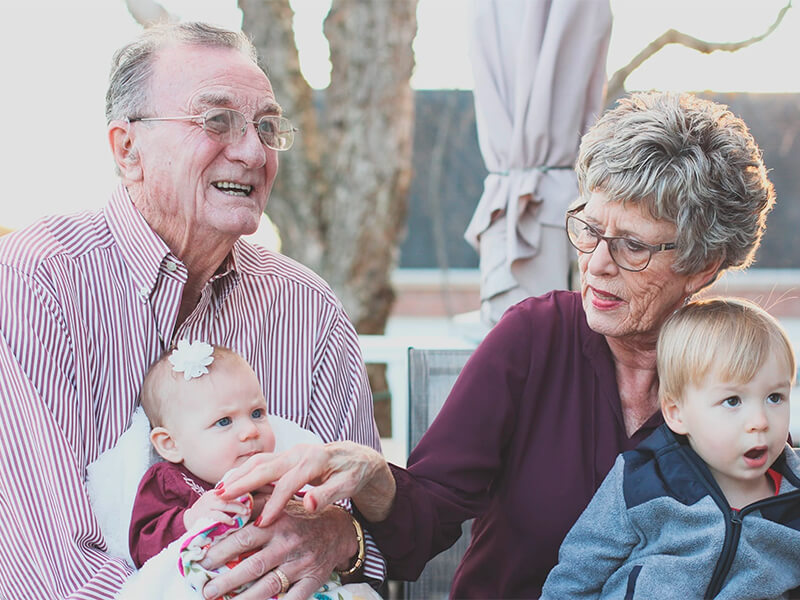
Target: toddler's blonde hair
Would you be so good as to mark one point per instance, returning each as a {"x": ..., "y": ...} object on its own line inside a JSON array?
[{"x": 729, "y": 336}]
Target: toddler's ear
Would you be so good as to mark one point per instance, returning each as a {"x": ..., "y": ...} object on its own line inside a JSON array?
[
  {"x": 671, "y": 410},
  {"x": 165, "y": 445}
]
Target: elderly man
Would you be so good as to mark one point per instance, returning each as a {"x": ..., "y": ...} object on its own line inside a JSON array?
[{"x": 90, "y": 301}]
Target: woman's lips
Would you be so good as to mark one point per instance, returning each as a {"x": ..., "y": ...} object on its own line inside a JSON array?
[
  {"x": 601, "y": 299},
  {"x": 756, "y": 457}
]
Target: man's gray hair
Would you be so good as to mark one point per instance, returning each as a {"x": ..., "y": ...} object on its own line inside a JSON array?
[
  {"x": 688, "y": 161},
  {"x": 132, "y": 65}
]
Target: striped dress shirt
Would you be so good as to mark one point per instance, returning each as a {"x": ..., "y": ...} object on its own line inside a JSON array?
[{"x": 87, "y": 303}]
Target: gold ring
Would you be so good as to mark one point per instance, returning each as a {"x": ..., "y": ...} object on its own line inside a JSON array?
[{"x": 285, "y": 583}]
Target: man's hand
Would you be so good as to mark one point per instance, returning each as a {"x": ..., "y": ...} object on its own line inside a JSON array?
[
  {"x": 306, "y": 547},
  {"x": 210, "y": 505}
]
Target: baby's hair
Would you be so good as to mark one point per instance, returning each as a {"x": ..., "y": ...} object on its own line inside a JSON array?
[
  {"x": 161, "y": 379},
  {"x": 730, "y": 336}
]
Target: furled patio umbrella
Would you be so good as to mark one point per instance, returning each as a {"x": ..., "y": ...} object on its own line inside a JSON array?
[{"x": 539, "y": 69}]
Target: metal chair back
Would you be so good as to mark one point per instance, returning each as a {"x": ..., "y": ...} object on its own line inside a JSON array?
[{"x": 431, "y": 374}]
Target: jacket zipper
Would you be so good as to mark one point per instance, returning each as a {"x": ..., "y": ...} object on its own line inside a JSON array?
[{"x": 733, "y": 531}]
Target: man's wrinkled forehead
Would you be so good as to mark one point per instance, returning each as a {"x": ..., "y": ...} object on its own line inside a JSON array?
[
  {"x": 223, "y": 99},
  {"x": 210, "y": 76}
]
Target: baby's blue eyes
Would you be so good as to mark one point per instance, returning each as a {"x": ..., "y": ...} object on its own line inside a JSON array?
[{"x": 257, "y": 414}]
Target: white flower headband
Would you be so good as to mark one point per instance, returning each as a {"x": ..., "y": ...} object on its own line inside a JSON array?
[{"x": 191, "y": 358}]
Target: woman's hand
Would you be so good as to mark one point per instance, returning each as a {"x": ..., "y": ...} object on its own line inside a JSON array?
[
  {"x": 306, "y": 548},
  {"x": 337, "y": 470}
]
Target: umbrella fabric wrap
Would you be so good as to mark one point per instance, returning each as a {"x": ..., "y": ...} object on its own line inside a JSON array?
[{"x": 539, "y": 71}]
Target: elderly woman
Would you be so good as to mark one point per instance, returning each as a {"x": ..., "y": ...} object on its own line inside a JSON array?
[{"x": 673, "y": 193}]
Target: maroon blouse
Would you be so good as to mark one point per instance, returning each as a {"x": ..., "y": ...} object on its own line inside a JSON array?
[
  {"x": 529, "y": 431},
  {"x": 164, "y": 494}
]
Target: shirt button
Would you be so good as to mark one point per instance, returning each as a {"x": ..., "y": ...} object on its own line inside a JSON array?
[
  {"x": 170, "y": 265},
  {"x": 144, "y": 292}
]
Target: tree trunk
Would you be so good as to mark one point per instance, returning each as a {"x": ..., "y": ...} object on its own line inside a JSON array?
[{"x": 341, "y": 196}]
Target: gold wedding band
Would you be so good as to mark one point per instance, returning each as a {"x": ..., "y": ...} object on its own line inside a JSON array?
[{"x": 285, "y": 583}]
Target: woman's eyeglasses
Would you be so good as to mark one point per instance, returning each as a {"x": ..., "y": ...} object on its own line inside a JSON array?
[{"x": 627, "y": 253}]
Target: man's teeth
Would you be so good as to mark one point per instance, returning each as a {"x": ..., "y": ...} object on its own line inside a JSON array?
[{"x": 237, "y": 189}]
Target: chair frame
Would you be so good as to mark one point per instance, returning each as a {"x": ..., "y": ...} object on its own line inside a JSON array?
[{"x": 431, "y": 374}]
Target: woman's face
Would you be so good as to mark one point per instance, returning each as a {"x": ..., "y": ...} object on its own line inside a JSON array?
[{"x": 620, "y": 303}]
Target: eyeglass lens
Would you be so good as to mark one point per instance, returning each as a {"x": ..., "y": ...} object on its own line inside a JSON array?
[
  {"x": 228, "y": 126},
  {"x": 627, "y": 253}
]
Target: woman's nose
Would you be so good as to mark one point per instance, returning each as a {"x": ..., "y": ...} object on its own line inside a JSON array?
[{"x": 600, "y": 261}]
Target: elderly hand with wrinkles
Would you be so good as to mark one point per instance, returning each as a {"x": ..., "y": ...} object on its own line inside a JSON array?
[
  {"x": 305, "y": 548},
  {"x": 305, "y": 541}
]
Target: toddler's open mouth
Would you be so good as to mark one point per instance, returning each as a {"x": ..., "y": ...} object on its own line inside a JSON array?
[{"x": 756, "y": 457}]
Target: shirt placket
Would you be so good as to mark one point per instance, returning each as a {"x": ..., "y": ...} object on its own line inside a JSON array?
[{"x": 165, "y": 299}]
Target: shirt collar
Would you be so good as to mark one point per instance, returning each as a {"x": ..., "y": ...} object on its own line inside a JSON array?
[
  {"x": 141, "y": 248},
  {"x": 144, "y": 251}
]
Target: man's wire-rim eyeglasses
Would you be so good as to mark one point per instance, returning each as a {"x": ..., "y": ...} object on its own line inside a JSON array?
[
  {"x": 627, "y": 253},
  {"x": 227, "y": 126}
]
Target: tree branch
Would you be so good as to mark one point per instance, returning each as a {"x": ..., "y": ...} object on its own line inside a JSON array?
[
  {"x": 616, "y": 84},
  {"x": 148, "y": 12}
]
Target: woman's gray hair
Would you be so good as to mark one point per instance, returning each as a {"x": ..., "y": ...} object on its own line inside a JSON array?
[
  {"x": 688, "y": 161},
  {"x": 132, "y": 65}
]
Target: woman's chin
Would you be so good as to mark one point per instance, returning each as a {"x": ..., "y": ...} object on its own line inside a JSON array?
[{"x": 603, "y": 321}]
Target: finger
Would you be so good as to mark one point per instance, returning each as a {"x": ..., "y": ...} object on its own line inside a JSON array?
[
  {"x": 338, "y": 487},
  {"x": 283, "y": 491},
  {"x": 268, "y": 586},
  {"x": 220, "y": 517},
  {"x": 236, "y": 508},
  {"x": 253, "y": 568},
  {"x": 266, "y": 469},
  {"x": 234, "y": 545},
  {"x": 258, "y": 475},
  {"x": 303, "y": 589}
]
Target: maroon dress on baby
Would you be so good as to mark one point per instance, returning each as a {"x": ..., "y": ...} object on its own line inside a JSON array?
[{"x": 164, "y": 494}]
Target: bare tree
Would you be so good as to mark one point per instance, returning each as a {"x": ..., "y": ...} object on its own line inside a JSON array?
[
  {"x": 340, "y": 200},
  {"x": 616, "y": 84}
]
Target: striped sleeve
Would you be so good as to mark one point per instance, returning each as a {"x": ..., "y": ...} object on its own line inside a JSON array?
[
  {"x": 342, "y": 395},
  {"x": 51, "y": 543}
]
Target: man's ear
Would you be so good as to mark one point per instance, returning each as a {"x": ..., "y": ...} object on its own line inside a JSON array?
[
  {"x": 165, "y": 445},
  {"x": 122, "y": 148},
  {"x": 671, "y": 410}
]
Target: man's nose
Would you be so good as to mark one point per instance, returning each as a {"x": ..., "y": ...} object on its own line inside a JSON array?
[{"x": 248, "y": 149}]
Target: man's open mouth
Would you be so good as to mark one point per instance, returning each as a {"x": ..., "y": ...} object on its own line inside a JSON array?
[{"x": 234, "y": 189}]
